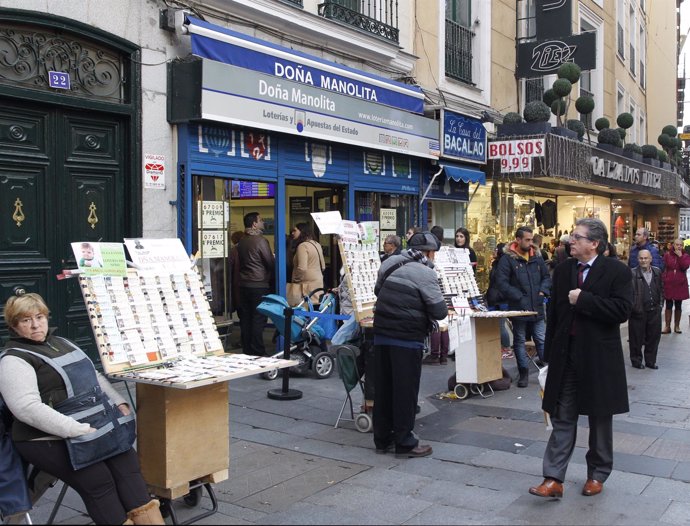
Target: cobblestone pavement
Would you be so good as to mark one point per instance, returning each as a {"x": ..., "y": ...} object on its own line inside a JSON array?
[{"x": 288, "y": 465}]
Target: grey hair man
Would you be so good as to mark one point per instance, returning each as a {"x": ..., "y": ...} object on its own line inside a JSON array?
[{"x": 644, "y": 325}]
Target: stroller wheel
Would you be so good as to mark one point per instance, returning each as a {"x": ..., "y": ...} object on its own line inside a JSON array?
[
  {"x": 270, "y": 375},
  {"x": 363, "y": 423},
  {"x": 322, "y": 365}
]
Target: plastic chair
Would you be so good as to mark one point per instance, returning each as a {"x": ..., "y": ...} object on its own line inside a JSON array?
[{"x": 346, "y": 358}]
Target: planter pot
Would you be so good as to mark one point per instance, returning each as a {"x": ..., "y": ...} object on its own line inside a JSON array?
[
  {"x": 633, "y": 155},
  {"x": 610, "y": 148},
  {"x": 523, "y": 128},
  {"x": 652, "y": 162},
  {"x": 564, "y": 132},
  {"x": 666, "y": 166}
]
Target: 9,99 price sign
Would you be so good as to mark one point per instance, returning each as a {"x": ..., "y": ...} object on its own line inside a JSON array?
[{"x": 516, "y": 156}]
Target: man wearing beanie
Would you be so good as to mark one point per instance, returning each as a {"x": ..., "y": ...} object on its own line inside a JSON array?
[{"x": 408, "y": 299}]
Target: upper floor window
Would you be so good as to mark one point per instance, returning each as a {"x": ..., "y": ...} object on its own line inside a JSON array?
[
  {"x": 459, "y": 37},
  {"x": 620, "y": 25},
  {"x": 633, "y": 34},
  {"x": 643, "y": 57}
]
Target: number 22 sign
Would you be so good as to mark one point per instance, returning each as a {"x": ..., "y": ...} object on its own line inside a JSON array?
[
  {"x": 516, "y": 156},
  {"x": 58, "y": 79}
]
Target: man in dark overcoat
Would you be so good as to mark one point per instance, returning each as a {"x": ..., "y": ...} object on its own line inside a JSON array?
[
  {"x": 591, "y": 296},
  {"x": 644, "y": 326}
]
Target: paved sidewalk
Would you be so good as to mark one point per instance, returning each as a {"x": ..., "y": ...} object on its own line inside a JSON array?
[{"x": 288, "y": 465}]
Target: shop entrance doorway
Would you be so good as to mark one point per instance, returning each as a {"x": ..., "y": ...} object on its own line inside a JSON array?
[{"x": 300, "y": 202}]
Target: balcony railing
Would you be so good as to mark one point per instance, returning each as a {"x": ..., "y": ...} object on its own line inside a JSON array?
[
  {"x": 534, "y": 89},
  {"x": 379, "y": 17},
  {"x": 294, "y": 2},
  {"x": 621, "y": 41},
  {"x": 459, "y": 52}
]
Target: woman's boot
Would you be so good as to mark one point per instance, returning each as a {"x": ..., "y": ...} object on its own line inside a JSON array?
[
  {"x": 676, "y": 320},
  {"x": 667, "y": 320},
  {"x": 149, "y": 513}
]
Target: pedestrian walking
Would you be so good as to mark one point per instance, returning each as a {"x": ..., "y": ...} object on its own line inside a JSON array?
[
  {"x": 590, "y": 298},
  {"x": 644, "y": 325},
  {"x": 676, "y": 264},
  {"x": 523, "y": 280},
  {"x": 642, "y": 242}
]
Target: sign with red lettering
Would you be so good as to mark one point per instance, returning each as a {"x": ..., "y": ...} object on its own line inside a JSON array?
[
  {"x": 516, "y": 156},
  {"x": 154, "y": 171}
]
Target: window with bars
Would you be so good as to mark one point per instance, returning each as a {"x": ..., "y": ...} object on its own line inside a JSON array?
[
  {"x": 379, "y": 17},
  {"x": 459, "y": 39},
  {"x": 534, "y": 89}
]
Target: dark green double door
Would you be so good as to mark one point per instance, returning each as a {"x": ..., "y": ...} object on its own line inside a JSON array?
[{"x": 62, "y": 179}]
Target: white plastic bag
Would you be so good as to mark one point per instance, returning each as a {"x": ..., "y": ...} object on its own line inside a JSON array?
[{"x": 542, "y": 386}]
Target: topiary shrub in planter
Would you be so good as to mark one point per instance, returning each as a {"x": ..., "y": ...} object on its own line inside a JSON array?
[
  {"x": 670, "y": 130},
  {"x": 570, "y": 71},
  {"x": 562, "y": 88},
  {"x": 622, "y": 133},
  {"x": 576, "y": 126},
  {"x": 610, "y": 140},
  {"x": 650, "y": 154},
  {"x": 585, "y": 105},
  {"x": 536, "y": 114},
  {"x": 512, "y": 117},
  {"x": 664, "y": 160},
  {"x": 624, "y": 121},
  {"x": 602, "y": 123},
  {"x": 548, "y": 97},
  {"x": 633, "y": 151}
]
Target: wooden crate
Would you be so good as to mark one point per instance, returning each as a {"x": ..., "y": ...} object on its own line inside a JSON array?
[
  {"x": 183, "y": 435},
  {"x": 478, "y": 360}
]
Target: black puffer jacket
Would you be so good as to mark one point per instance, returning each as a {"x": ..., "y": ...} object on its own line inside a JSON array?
[
  {"x": 407, "y": 300},
  {"x": 520, "y": 281}
]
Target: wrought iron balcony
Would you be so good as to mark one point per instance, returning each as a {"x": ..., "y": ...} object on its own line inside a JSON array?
[
  {"x": 534, "y": 89},
  {"x": 459, "y": 51},
  {"x": 379, "y": 17}
]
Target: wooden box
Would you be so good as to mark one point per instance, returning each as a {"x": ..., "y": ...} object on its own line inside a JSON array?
[
  {"x": 478, "y": 358},
  {"x": 183, "y": 435}
]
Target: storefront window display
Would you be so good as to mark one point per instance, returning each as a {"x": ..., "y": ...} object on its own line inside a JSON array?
[
  {"x": 394, "y": 212},
  {"x": 221, "y": 206},
  {"x": 499, "y": 208},
  {"x": 448, "y": 214}
]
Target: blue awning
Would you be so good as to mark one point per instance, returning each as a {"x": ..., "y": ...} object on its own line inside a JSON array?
[{"x": 464, "y": 174}]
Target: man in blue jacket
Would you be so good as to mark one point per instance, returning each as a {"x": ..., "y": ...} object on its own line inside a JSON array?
[
  {"x": 522, "y": 278},
  {"x": 642, "y": 243},
  {"x": 408, "y": 298}
]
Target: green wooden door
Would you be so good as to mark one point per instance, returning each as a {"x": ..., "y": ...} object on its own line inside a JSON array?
[{"x": 62, "y": 179}]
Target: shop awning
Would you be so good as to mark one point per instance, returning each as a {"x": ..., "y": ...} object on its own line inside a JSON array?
[
  {"x": 457, "y": 173},
  {"x": 464, "y": 174}
]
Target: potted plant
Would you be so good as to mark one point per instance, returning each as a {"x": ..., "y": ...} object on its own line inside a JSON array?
[
  {"x": 610, "y": 140},
  {"x": 559, "y": 97},
  {"x": 670, "y": 143},
  {"x": 624, "y": 121},
  {"x": 650, "y": 154},
  {"x": 585, "y": 105},
  {"x": 633, "y": 151},
  {"x": 536, "y": 115},
  {"x": 663, "y": 159},
  {"x": 576, "y": 126}
]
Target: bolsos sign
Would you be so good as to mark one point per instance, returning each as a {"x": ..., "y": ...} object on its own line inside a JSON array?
[{"x": 516, "y": 156}]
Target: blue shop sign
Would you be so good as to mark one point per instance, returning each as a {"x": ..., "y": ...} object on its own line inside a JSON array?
[
  {"x": 230, "y": 47},
  {"x": 463, "y": 138}
]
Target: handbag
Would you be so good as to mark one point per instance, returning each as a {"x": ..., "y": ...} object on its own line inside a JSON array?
[{"x": 295, "y": 293}]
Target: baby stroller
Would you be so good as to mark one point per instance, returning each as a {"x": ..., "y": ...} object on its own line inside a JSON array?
[{"x": 307, "y": 335}]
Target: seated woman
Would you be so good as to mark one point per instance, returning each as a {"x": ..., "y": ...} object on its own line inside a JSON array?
[{"x": 68, "y": 419}]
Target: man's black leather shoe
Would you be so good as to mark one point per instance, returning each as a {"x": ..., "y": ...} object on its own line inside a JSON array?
[
  {"x": 654, "y": 366},
  {"x": 638, "y": 366}
]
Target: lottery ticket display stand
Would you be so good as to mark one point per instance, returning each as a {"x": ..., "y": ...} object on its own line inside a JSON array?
[
  {"x": 155, "y": 328},
  {"x": 474, "y": 332}
]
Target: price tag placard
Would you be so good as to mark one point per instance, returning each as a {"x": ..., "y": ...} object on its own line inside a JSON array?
[{"x": 516, "y": 156}]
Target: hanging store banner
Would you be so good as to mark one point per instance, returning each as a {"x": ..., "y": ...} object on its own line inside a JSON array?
[
  {"x": 223, "y": 45},
  {"x": 239, "y": 96},
  {"x": 536, "y": 59},
  {"x": 463, "y": 138},
  {"x": 554, "y": 18},
  {"x": 516, "y": 156}
]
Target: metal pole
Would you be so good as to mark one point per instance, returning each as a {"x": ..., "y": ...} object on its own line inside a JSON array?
[{"x": 286, "y": 393}]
